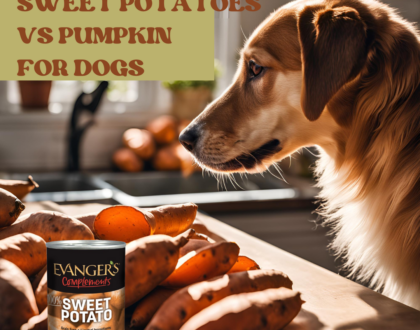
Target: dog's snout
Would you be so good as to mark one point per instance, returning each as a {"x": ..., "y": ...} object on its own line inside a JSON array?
[{"x": 189, "y": 138}]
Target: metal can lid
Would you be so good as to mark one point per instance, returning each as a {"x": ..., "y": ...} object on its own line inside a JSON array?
[{"x": 86, "y": 245}]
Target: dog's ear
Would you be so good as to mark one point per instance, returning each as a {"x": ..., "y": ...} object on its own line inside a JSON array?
[{"x": 334, "y": 49}]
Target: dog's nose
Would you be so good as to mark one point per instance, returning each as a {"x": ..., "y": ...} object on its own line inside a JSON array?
[{"x": 189, "y": 138}]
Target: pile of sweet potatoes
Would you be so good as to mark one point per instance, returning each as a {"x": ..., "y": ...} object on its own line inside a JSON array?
[
  {"x": 178, "y": 274},
  {"x": 155, "y": 147}
]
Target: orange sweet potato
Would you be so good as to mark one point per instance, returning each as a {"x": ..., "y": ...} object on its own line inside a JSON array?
[
  {"x": 126, "y": 223},
  {"x": 17, "y": 303},
  {"x": 243, "y": 264},
  {"x": 189, "y": 301},
  {"x": 188, "y": 165},
  {"x": 271, "y": 309},
  {"x": 19, "y": 188},
  {"x": 41, "y": 293},
  {"x": 126, "y": 160},
  {"x": 166, "y": 159},
  {"x": 148, "y": 306},
  {"x": 35, "y": 280},
  {"x": 10, "y": 208},
  {"x": 193, "y": 245},
  {"x": 27, "y": 251},
  {"x": 51, "y": 226},
  {"x": 148, "y": 261},
  {"x": 141, "y": 142},
  {"x": 206, "y": 263},
  {"x": 38, "y": 322},
  {"x": 164, "y": 129}
]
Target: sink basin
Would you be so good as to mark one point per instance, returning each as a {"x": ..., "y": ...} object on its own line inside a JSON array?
[
  {"x": 149, "y": 184},
  {"x": 149, "y": 189},
  {"x": 64, "y": 187}
]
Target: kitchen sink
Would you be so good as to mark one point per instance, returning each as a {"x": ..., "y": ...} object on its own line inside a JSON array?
[
  {"x": 157, "y": 188},
  {"x": 62, "y": 187},
  {"x": 149, "y": 189},
  {"x": 147, "y": 184}
]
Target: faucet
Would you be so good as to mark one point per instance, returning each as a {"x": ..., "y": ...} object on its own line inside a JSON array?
[{"x": 85, "y": 105}]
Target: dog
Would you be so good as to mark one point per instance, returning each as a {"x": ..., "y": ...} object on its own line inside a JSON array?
[{"x": 344, "y": 76}]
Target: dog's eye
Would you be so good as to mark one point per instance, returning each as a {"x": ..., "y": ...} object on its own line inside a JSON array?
[{"x": 254, "y": 69}]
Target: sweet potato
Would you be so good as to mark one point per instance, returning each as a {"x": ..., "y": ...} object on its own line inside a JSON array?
[
  {"x": 27, "y": 251},
  {"x": 126, "y": 223},
  {"x": 271, "y": 309},
  {"x": 17, "y": 303},
  {"x": 87, "y": 219},
  {"x": 41, "y": 293},
  {"x": 189, "y": 301},
  {"x": 35, "y": 280},
  {"x": 166, "y": 159},
  {"x": 148, "y": 261},
  {"x": 148, "y": 306},
  {"x": 141, "y": 142},
  {"x": 19, "y": 188},
  {"x": 202, "y": 237},
  {"x": 188, "y": 165},
  {"x": 126, "y": 160},
  {"x": 164, "y": 129},
  {"x": 193, "y": 245},
  {"x": 10, "y": 208},
  {"x": 243, "y": 264},
  {"x": 51, "y": 226},
  {"x": 204, "y": 264},
  {"x": 38, "y": 322}
]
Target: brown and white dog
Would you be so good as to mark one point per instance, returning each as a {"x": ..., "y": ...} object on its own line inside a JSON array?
[{"x": 343, "y": 75}]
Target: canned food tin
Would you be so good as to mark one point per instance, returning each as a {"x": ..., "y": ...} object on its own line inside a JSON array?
[{"x": 86, "y": 285}]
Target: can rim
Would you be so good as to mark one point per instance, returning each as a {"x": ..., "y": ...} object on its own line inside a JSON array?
[{"x": 86, "y": 245}]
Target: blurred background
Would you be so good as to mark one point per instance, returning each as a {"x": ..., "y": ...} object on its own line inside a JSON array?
[{"x": 116, "y": 142}]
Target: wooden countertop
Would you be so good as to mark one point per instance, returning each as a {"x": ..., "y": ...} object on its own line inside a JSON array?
[{"x": 332, "y": 302}]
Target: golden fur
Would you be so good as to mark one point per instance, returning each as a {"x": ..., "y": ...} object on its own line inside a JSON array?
[{"x": 343, "y": 75}]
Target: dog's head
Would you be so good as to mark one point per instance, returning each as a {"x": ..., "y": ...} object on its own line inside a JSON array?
[{"x": 290, "y": 69}]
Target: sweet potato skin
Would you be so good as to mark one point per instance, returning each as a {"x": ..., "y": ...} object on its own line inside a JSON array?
[
  {"x": 126, "y": 223},
  {"x": 17, "y": 303},
  {"x": 208, "y": 262},
  {"x": 193, "y": 245},
  {"x": 166, "y": 159},
  {"x": 148, "y": 306},
  {"x": 148, "y": 261},
  {"x": 126, "y": 160},
  {"x": 51, "y": 226},
  {"x": 173, "y": 220},
  {"x": 141, "y": 142},
  {"x": 10, "y": 208},
  {"x": 41, "y": 293},
  {"x": 271, "y": 309},
  {"x": 19, "y": 188},
  {"x": 244, "y": 264},
  {"x": 164, "y": 129},
  {"x": 189, "y": 301},
  {"x": 27, "y": 251},
  {"x": 87, "y": 219},
  {"x": 38, "y": 322}
]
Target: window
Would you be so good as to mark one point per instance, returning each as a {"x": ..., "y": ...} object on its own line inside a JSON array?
[{"x": 122, "y": 96}]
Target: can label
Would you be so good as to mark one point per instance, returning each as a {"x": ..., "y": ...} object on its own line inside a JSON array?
[{"x": 86, "y": 289}]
